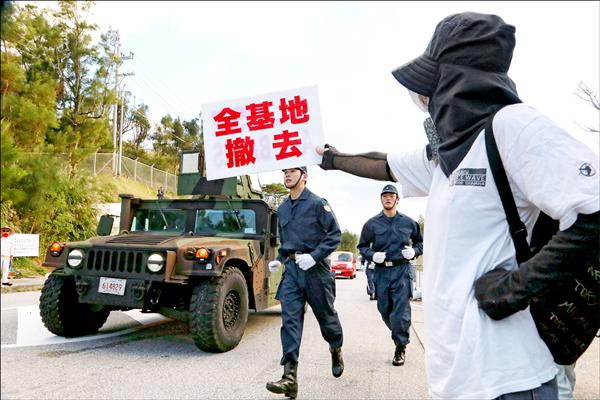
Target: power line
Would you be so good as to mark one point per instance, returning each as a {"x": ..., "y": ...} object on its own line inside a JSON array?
[{"x": 152, "y": 79}]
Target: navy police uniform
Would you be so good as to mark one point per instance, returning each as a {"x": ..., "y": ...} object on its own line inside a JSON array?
[
  {"x": 307, "y": 225},
  {"x": 392, "y": 280},
  {"x": 370, "y": 272}
]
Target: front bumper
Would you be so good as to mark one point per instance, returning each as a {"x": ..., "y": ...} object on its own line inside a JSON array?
[
  {"x": 138, "y": 293},
  {"x": 344, "y": 272}
]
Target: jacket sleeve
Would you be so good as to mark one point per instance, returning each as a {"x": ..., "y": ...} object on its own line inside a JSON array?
[
  {"x": 281, "y": 256},
  {"x": 365, "y": 241},
  {"x": 333, "y": 235},
  {"x": 501, "y": 293},
  {"x": 417, "y": 240}
]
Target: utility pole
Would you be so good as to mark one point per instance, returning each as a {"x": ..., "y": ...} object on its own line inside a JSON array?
[
  {"x": 121, "y": 132},
  {"x": 116, "y": 106},
  {"x": 120, "y": 96}
]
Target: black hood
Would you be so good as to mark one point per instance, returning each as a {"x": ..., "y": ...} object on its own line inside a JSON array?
[
  {"x": 464, "y": 73},
  {"x": 460, "y": 106}
]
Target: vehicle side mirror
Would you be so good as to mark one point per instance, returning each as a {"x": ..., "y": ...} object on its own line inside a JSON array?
[{"x": 105, "y": 225}]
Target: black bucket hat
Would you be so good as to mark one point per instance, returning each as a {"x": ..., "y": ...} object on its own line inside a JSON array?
[{"x": 480, "y": 41}]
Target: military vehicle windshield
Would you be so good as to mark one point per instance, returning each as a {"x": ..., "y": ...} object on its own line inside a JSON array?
[
  {"x": 211, "y": 221},
  {"x": 158, "y": 221}
]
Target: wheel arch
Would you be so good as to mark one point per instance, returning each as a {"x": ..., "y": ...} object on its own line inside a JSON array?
[{"x": 247, "y": 272}]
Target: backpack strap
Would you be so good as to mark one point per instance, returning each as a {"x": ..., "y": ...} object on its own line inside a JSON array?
[{"x": 517, "y": 228}]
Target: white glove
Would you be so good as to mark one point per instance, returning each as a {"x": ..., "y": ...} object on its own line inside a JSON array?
[
  {"x": 408, "y": 252},
  {"x": 379, "y": 257},
  {"x": 371, "y": 266},
  {"x": 305, "y": 261},
  {"x": 274, "y": 266}
]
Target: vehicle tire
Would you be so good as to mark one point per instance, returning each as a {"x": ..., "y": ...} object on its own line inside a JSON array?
[
  {"x": 63, "y": 314},
  {"x": 219, "y": 311}
]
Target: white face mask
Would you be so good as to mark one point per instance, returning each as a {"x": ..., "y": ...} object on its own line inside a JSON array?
[{"x": 417, "y": 99}]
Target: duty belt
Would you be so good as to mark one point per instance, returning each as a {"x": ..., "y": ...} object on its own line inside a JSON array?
[
  {"x": 392, "y": 263},
  {"x": 292, "y": 254}
]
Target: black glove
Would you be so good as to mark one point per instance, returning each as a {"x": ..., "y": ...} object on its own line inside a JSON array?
[
  {"x": 328, "y": 154},
  {"x": 499, "y": 293}
]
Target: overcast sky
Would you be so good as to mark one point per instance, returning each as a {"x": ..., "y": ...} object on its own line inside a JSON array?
[{"x": 190, "y": 53}]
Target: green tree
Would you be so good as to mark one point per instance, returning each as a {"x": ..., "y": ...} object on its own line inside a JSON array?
[
  {"x": 84, "y": 95},
  {"x": 349, "y": 241},
  {"x": 274, "y": 193},
  {"x": 28, "y": 86},
  {"x": 172, "y": 136},
  {"x": 139, "y": 125},
  {"x": 54, "y": 101}
]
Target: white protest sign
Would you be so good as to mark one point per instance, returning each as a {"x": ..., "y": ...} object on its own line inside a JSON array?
[
  {"x": 25, "y": 245},
  {"x": 267, "y": 132}
]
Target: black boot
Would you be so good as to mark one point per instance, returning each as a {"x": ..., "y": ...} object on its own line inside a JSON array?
[
  {"x": 399, "y": 355},
  {"x": 337, "y": 362},
  {"x": 288, "y": 384}
]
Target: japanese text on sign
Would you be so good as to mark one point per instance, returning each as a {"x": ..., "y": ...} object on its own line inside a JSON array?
[{"x": 262, "y": 133}]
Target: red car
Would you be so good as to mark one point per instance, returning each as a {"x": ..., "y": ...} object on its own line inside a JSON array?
[{"x": 343, "y": 263}]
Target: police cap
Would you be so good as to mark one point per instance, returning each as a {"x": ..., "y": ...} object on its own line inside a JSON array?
[
  {"x": 303, "y": 169},
  {"x": 389, "y": 189}
]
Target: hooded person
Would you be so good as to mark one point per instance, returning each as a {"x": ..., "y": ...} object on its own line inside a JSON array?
[{"x": 485, "y": 347}]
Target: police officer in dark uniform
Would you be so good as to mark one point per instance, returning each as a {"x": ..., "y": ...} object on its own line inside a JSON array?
[
  {"x": 386, "y": 240},
  {"x": 308, "y": 232}
]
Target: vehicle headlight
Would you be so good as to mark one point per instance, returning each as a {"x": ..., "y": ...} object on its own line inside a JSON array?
[
  {"x": 155, "y": 262},
  {"x": 75, "y": 258}
]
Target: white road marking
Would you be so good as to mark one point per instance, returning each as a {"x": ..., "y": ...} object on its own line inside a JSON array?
[{"x": 32, "y": 332}]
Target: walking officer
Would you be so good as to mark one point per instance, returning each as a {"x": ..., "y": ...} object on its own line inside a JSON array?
[
  {"x": 386, "y": 240},
  {"x": 308, "y": 232}
]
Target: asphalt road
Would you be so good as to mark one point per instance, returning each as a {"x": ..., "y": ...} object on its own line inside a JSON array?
[
  {"x": 150, "y": 357},
  {"x": 158, "y": 359}
]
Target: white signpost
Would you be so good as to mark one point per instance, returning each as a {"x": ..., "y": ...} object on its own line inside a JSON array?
[
  {"x": 267, "y": 132},
  {"x": 25, "y": 245}
]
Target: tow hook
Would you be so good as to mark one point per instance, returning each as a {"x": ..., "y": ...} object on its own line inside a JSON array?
[
  {"x": 139, "y": 290},
  {"x": 81, "y": 286}
]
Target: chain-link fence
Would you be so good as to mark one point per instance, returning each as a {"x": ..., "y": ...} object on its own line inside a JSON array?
[{"x": 105, "y": 163}]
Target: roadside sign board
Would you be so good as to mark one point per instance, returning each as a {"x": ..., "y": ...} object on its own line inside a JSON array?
[{"x": 25, "y": 245}]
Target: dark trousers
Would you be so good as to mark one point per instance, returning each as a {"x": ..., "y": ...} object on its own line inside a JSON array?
[
  {"x": 317, "y": 287},
  {"x": 393, "y": 292},
  {"x": 370, "y": 281},
  {"x": 548, "y": 391}
]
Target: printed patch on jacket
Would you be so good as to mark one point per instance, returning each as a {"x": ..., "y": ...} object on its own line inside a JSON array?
[{"x": 468, "y": 177}]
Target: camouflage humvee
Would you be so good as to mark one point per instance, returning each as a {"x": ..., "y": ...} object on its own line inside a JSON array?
[{"x": 202, "y": 260}]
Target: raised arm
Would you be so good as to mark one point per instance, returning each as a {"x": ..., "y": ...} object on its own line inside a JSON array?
[{"x": 372, "y": 165}]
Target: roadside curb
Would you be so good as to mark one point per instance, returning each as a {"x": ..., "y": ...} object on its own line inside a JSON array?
[{"x": 24, "y": 285}]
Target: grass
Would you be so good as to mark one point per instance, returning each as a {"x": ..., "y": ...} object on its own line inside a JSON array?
[
  {"x": 28, "y": 267},
  {"x": 126, "y": 185}
]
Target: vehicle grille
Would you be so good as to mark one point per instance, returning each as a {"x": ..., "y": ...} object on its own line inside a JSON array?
[{"x": 116, "y": 261}]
